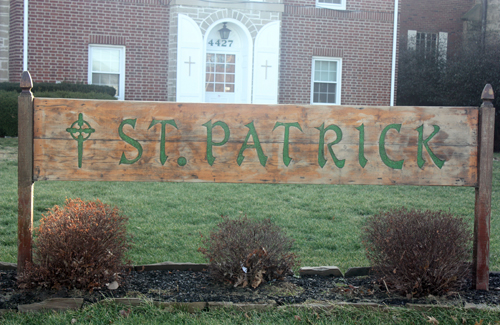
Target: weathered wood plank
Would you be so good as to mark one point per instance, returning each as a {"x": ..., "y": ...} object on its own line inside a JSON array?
[
  {"x": 264, "y": 144},
  {"x": 25, "y": 173},
  {"x": 483, "y": 191},
  {"x": 197, "y": 169}
]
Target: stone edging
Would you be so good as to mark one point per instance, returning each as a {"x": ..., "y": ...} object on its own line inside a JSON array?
[
  {"x": 316, "y": 270},
  {"x": 55, "y": 304},
  {"x": 8, "y": 266},
  {"x": 61, "y": 304},
  {"x": 171, "y": 266}
]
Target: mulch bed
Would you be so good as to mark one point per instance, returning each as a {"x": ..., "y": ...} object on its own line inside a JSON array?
[{"x": 190, "y": 286}]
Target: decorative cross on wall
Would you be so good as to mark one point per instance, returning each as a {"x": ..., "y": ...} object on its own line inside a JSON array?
[
  {"x": 189, "y": 63},
  {"x": 266, "y": 66}
]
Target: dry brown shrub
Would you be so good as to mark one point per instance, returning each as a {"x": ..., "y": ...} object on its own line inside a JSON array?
[
  {"x": 248, "y": 252},
  {"x": 82, "y": 245},
  {"x": 418, "y": 252}
]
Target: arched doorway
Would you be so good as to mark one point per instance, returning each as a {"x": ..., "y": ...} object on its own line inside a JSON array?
[{"x": 228, "y": 63}]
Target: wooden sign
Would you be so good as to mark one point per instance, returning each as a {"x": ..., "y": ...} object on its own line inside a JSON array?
[
  {"x": 158, "y": 141},
  {"x": 76, "y": 140}
]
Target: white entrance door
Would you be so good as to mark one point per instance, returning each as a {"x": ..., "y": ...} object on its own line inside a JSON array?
[
  {"x": 226, "y": 64},
  {"x": 220, "y": 78}
]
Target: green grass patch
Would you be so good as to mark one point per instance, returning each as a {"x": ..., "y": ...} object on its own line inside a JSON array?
[{"x": 106, "y": 313}]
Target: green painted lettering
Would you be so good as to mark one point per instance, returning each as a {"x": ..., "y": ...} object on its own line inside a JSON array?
[
  {"x": 130, "y": 141},
  {"x": 80, "y": 138},
  {"x": 422, "y": 142},
  {"x": 361, "y": 151},
  {"x": 321, "y": 149},
  {"x": 381, "y": 148},
  {"x": 286, "y": 155},
  {"x": 163, "y": 155},
  {"x": 210, "y": 143},
  {"x": 182, "y": 161},
  {"x": 256, "y": 146}
]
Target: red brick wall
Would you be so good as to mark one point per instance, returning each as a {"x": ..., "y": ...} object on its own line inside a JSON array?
[
  {"x": 433, "y": 16},
  {"x": 15, "y": 40},
  {"x": 61, "y": 30},
  {"x": 362, "y": 36}
]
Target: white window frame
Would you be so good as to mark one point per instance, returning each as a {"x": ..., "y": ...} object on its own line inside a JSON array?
[
  {"x": 339, "y": 79},
  {"x": 121, "y": 80},
  {"x": 341, "y": 6}
]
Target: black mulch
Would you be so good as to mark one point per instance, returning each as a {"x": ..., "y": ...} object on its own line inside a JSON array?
[{"x": 188, "y": 286}]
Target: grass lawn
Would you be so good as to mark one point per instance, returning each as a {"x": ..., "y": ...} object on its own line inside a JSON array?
[
  {"x": 166, "y": 219},
  {"x": 105, "y": 313}
]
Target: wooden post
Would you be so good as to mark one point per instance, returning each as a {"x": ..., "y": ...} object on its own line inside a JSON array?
[
  {"x": 25, "y": 173},
  {"x": 482, "y": 216}
]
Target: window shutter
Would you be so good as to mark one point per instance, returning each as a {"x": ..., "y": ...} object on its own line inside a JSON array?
[
  {"x": 266, "y": 65},
  {"x": 443, "y": 45},
  {"x": 189, "y": 61},
  {"x": 412, "y": 39}
]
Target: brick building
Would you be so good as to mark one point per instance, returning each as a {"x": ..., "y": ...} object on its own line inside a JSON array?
[
  {"x": 4, "y": 39},
  {"x": 277, "y": 51}
]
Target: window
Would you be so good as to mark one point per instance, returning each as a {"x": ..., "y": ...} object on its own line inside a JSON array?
[
  {"x": 430, "y": 45},
  {"x": 326, "y": 75},
  {"x": 331, "y": 4},
  {"x": 107, "y": 67},
  {"x": 220, "y": 73},
  {"x": 426, "y": 43}
]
